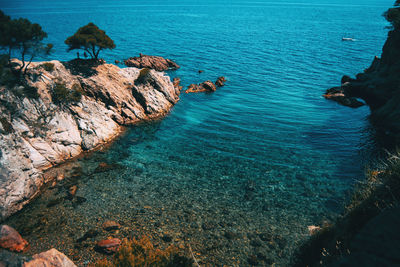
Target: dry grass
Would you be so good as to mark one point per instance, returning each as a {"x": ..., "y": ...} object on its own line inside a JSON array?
[
  {"x": 142, "y": 253},
  {"x": 380, "y": 191}
]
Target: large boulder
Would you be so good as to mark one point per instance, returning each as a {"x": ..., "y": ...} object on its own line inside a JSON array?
[
  {"x": 11, "y": 240},
  {"x": 50, "y": 258},
  {"x": 151, "y": 62}
]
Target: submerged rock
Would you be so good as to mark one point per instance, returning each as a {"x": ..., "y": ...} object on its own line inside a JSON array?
[
  {"x": 50, "y": 258},
  {"x": 11, "y": 240},
  {"x": 111, "y": 225},
  {"x": 108, "y": 246},
  {"x": 151, "y": 62},
  {"x": 77, "y": 107}
]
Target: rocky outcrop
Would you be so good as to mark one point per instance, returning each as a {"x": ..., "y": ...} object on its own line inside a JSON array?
[
  {"x": 11, "y": 240},
  {"x": 151, "y": 62},
  {"x": 108, "y": 246},
  {"x": 94, "y": 102},
  {"x": 49, "y": 258},
  {"x": 336, "y": 94},
  {"x": 207, "y": 86},
  {"x": 378, "y": 86},
  {"x": 220, "y": 81}
]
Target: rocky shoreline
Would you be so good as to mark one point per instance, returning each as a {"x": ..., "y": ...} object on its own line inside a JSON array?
[
  {"x": 378, "y": 86},
  {"x": 64, "y": 109}
]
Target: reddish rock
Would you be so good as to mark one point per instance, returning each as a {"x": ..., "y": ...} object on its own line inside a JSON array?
[
  {"x": 104, "y": 167},
  {"x": 151, "y": 62},
  {"x": 220, "y": 81},
  {"x": 207, "y": 86},
  {"x": 10, "y": 239},
  {"x": 108, "y": 246},
  {"x": 111, "y": 225},
  {"x": 117, "y": 61},
  {"x": 200, "y": 71},
  {"x": 50, "y": 258},
  {"x": 177, "y": 83},
  {"x": 72, "y": 190}
]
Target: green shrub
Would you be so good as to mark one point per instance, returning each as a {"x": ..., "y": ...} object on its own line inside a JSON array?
[
  {"x": 142, "y": 253},
  {"x": 31, "y": 92},
  {"x": 6, "y": 125},
  {"x": 48, "y": 66},
  {"x": 62, "y": 95},
  {"x": 143, "y": 76}
]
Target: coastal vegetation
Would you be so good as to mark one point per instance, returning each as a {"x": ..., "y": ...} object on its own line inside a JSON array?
[
  {"x": 23, "y": 37},
  {"x": 62, "y": 95},
  {"x": 142, "y": 253},
  {"x": 91, "y": 39}
]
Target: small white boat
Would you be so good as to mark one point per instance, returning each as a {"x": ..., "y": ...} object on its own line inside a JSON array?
[{"x": 348, "y": 39}]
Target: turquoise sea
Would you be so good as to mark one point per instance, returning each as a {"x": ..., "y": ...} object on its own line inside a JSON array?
[{"x": 238, "y": 174}]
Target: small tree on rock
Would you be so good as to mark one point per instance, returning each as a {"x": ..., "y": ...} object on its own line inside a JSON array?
[
  {"x": 91, "y": 39},
  {"x": 23, "y": 36}
]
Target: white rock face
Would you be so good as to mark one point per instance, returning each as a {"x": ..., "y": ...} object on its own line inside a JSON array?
[
  {"x": 36, "y": 133},
  {"x": 49, "y": 258}
]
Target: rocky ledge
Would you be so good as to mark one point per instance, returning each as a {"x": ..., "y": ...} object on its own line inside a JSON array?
[
  {"x": 151, "y": 62},
  {"x": 378, "y": 86},
  {"x": 207, "y": 86},
  {"x": 64, "y": 109}
]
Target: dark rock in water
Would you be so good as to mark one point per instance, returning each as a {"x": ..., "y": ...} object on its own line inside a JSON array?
[
  {"x": 230, "y": 235},
  {"x": 166, "y": 238},
  {"x": 108, "y": 246},
  {"x": 111, "y": 225},
  {"x": 11, "y": 240},
  {"x": 207, "y": 86},
  {"x": 89, "y": 234},
  {"x": 78, "y": 201},
  {"x": 379, "y": 87},
  {"x": 266, "y": 237},
  {"x": 10, "y": 259},
  {"x": 105, "y": 167},
  {"x": 346, "y": 79},
  {"x": 151, "y": 62},
  {"x": 55, "y": 202},
  {"x": 256, "y": 242},
  {"x": 208, "y": 226},
  {"x": 220, "y": 81},
  {"x": 252, "y": 260},
  {"x": 117, "y": 61},
  {"x": 337, "y": 94},
  {"x": 200, "y": 71}
]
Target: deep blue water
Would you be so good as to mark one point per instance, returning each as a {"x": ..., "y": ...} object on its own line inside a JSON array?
[{"x": 266, "y": 147}]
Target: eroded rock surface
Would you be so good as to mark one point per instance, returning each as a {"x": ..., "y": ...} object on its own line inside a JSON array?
[
  {"x": 151, "y": 62},
  {"x": 50, "y": 258},
  {"x": 36, "y": 133}
]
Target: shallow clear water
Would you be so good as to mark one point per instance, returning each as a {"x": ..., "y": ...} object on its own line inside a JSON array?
[{"x": 264, "y": 154}]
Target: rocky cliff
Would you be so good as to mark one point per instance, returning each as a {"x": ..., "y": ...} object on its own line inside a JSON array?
[
  {"x": 378, "y": 86},
  {"x": 65, "y": 108}
]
